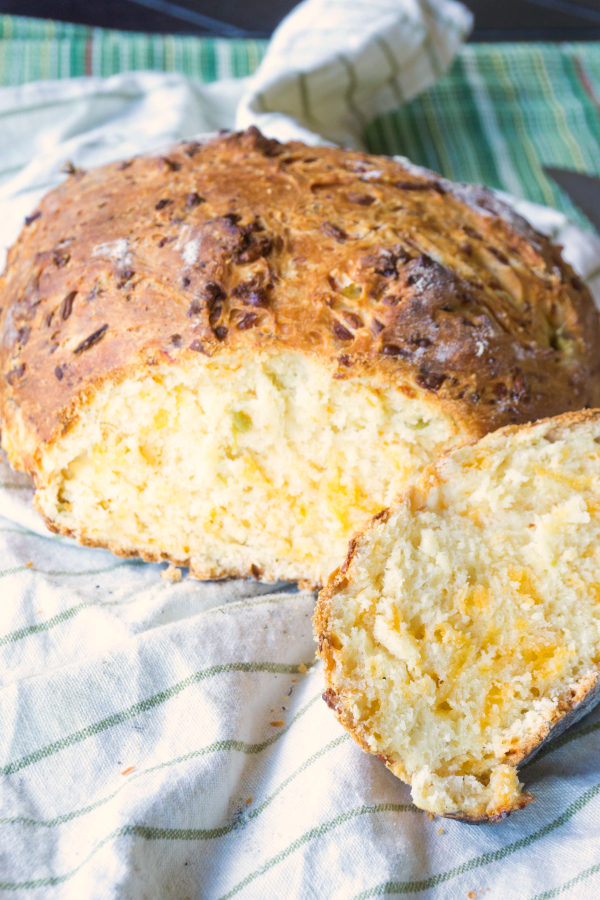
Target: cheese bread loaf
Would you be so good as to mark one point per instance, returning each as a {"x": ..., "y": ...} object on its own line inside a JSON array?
[
  {"x": 463, "y": 630},
  {"x": 232, "y": 354}
]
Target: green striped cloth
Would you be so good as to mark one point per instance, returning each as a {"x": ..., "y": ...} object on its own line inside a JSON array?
[
  {"x": 32, "y": 49},
  {"x": 166, "y": 740},
  {"x": 501, "y": 112}
]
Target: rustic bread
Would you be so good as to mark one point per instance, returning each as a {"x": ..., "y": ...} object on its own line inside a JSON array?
[
  {"x": 231, "y": 355},
  {"x": 463, "y": 630}
]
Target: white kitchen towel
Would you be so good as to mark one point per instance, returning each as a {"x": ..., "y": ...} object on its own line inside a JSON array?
[{"x": 164, "y": 740}]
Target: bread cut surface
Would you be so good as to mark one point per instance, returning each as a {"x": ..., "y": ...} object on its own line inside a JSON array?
[
  {"x": 238, "y": 465},
  {"x": 230, "y": 354},
  {"x": 464, "y": 628}
]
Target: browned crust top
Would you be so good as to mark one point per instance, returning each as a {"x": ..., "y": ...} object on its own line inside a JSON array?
[{"x": 243, "y": 242}]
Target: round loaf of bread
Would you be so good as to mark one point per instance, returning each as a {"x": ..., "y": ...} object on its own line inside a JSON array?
[
  {"x": 231, "y": 355},
  {"x": 463, "y": 630}
]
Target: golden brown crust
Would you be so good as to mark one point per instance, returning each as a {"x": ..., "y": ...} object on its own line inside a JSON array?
[
  {"x": 572, "y": 706},
  {"x": 157, "y": 556},
  {"x": 243, "y": 242}
]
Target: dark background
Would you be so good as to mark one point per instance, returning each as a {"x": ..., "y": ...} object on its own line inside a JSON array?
[{"x": 495, "y": 20}]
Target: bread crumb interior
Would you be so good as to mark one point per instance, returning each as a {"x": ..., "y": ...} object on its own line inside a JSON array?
[
  {"x": 235, "y": 461},
  {"x": 472, "y": 613}
]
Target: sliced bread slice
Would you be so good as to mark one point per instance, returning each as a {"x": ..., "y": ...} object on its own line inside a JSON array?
[{"x": 463, "y": 630}]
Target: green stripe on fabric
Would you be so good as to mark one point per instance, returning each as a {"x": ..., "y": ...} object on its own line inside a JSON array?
[
  {"x": 432, "y": 56},
  {"x": 318, "y": 832},
  {"x": 153, "y": 833},
  {"x": 350, "y": 92},
  {"x": 73, "y": 611},
  {"x": 144, "y": 706},
  {"x": 554, "y": 892},
  {"x": 499, "y": 113},
  {"x": 12, "y": 27},
  {"x": 217, "y": 747},
  {"x": 250, "y": 749},
  {"x": 193, "y": 834},
  {"x": 482, "y": 122},
  {"x": 453, "y": 152},
  {"x": 28, "y": 630},
  {"x": 395, "y": 70},
  {"x": 572, "y": 147},
  {"x": 409, "y": 887},
  {"x": 142, "y": 831},
  {"x": 522, "y": 150},
  {"x": 33, "y": 49},
  {"x": 444, "y": 148},
  {"x": 307, "y": 113},
  {"x": 576, "y": 77}
]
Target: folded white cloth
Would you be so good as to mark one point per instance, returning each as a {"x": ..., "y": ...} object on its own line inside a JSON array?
[{"x": 167, "y": 739}]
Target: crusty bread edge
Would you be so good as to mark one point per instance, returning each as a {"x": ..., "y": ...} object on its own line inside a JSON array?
[{"x": 580, "y": 698}]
